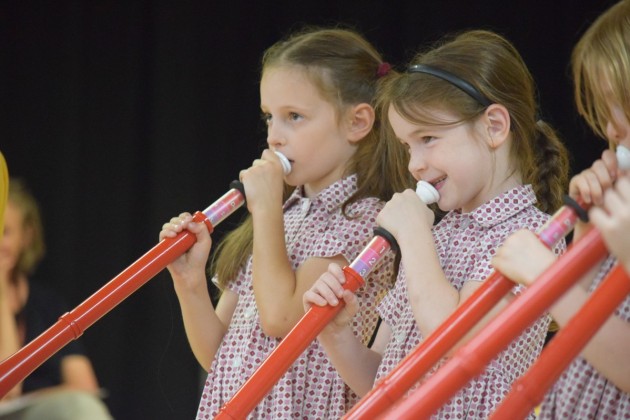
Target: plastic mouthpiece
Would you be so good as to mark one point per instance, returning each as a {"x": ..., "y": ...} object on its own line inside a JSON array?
[
  {"x": 427, "y": 193},
  {"x": 286, "y": 165},
  {"x": 623, "y": 158}
]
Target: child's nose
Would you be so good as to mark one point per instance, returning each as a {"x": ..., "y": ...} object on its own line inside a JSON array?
[
  {"x": 417, "y": 164},
  {"x": 275, "y": 138},
  {"x": 615, "y": 132}
]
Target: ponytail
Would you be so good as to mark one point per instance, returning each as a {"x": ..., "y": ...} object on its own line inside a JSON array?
[{"x": 549, "y": 175}]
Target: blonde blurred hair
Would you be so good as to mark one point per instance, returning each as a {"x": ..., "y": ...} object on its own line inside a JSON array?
[
  {"x": 21, "y": 197},
  {"x": 601, "y": 67}
]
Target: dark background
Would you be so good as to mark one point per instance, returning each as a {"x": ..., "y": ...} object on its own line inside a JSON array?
[{"x": 122, "y": 114}]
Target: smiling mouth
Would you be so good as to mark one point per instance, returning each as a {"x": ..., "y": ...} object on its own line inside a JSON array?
[{"x": 437, "y": 183}]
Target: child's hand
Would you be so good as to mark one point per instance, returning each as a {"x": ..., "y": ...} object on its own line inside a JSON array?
[
  {"x": 590, "y": 184},
  {"x": 188, "y": 266},
  {"x": 522, "y": 257},
  {"x": 612, "y": 219},
  {"x": 328, "y": 290},
  {"x": 263, "y": 181},
  {"x": 402, "y": 210}
]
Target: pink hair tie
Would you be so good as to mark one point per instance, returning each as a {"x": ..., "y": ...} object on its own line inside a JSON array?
[{"x": 383, "y": 69}]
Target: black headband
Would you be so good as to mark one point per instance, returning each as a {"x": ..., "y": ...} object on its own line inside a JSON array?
[{"x": 452, "y": 79}]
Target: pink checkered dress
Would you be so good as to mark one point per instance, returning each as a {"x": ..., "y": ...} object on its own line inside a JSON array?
[
  {"x": 311, "y": 388},
  {"x": 581, "y": 392},
  {"x": 465, "y": 245}
]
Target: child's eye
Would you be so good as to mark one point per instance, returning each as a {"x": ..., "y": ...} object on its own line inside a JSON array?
[
  {"x": 428, "y": 139},
  {"x": 294, "y": 116}
]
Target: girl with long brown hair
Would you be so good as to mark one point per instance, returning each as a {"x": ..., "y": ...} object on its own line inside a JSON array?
[{"x": 317, "y": 94}]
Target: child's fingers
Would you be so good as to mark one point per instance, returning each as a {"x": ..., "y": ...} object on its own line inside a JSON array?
[
  {"x": 171, "y": 228},
  {"x": 593, "y": 192},
  {"x": 590, "y": 184},
  {"x": 180, "y": 222},
  {"x": 577, "y": 188},
  {"x": 334, "y": 282},
  {"x": 335, "y": 270},
  {"x": 166, "y": 232},
  {"x": 320, "y": 294},
  {"x": 312, "y": 298},
  {"x": 615, "y": 212},
  {"x": 329, "y": 288}
]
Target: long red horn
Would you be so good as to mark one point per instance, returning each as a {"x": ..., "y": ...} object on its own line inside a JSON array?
[
  {"x": 417, "y": 363},
  {"x": 471, "y": 359},
  {"x": 72, "y": 324},
  {"x": 529, "y": 390}
]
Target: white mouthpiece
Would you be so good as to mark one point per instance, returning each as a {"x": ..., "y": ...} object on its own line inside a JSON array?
[
  {"x": 286, "y": 165},
  {"x": 427, "y": 193},
  {"x": 623, "y": 158}
]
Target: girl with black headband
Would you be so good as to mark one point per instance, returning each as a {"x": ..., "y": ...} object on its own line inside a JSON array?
[{"x": 466, "y": 112}]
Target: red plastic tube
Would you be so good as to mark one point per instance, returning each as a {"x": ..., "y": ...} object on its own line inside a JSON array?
[
  {"x": 417, "y": 363},
  {"x": 471, "y": 359},
  {"x": 300, "y": 336},
  {"x": 71, "y": 325},
  {"x": 529, "y": 390}
]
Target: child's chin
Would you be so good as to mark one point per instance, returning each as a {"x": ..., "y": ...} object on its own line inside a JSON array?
[
  {"x": 289, "y": 182},
  {"x": 446, "y": 207}
]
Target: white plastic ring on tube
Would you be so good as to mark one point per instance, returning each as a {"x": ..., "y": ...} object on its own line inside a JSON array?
[
  {"x": 623, "y": 158},
  {"x": 286, "y": 165},
  {"x": 427, "y": 193}
]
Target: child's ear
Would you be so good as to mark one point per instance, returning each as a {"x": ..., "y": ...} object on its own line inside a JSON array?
[
  {"x": 361, "y": 120},
  {"x": 497, "y": 120}
]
